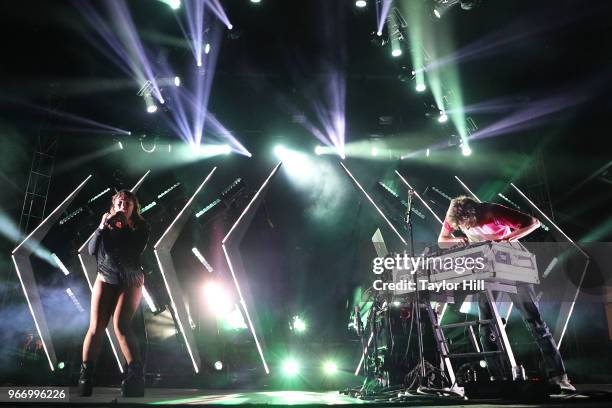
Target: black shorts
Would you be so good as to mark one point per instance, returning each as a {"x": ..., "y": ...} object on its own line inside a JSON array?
[{"x": 133, "y": 278}]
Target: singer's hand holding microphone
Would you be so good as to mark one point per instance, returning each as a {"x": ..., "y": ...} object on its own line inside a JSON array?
[{"x": 116, "y": 221}]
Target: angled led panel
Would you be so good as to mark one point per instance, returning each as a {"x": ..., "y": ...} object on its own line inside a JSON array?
[
  {"x": 360, "y": 188},
  {"x": 567, "y": 308},
  {"x": 419, "y": 197},
  {"x": 90, "y": 268},
  {"x": 467, "y": 189},
  {"x": 23, "y": 266},
  {"x": 162, "y": 251},
  {"x": 230, "y": 245}
]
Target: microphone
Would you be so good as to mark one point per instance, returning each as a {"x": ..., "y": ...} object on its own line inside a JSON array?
[
  {"x": 117, "y": 221},
  {"x": 409, "y": 206}
]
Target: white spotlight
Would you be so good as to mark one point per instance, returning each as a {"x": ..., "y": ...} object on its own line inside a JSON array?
[
  {"x": 280, "y": 151},
  {"x": 229, "y": 26},
  {"x": 427, "y": 153},
  {"x": 437, "y": 13},
  {"x": 443, "y": 117},
  {"x": 206, "y": 51},
  {"x": 151, "y": 107},
  {"x": 379, "y": 33},
  {"x": 219, "y": 364},
  {"x": 465, "y": 150},
  {"x": 217, "y": 299},
  {"x": 177, "y": 81},
  {"x": 120, "y": 145},
  {"x": 225, "y": 149},
  {"x": 318, "y": 150},
  {"x": 421, "y": 88},
  {"x": 361, "y": 3},
  {"x": 396, "y": 52},
  {"x": 60, "y": 264},
  {"x": 374, "y": 151}
]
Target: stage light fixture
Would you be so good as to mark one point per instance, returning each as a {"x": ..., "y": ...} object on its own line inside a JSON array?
[
  {"x": 218, "y": 365},
  {"x": 377, "y": 39},
  {"x": 174, "y": 4},
  {"x": 318, "y": 150},
  {"x": 151, "y": 107},
  {"x": 465, "y": 150},
  {"x": 330, "y": 368},
  {"x": 60, "y": 264},
  {"x": 217, "y": 299},
  {"x": 291, "y": 367},
  {"x": 256, "y": 1},
  {"x": 427, "y": 153},
  {"x": 374, "y": 151},
  {"x": 483, "y": 363},
  {"x": 120, "y": 145},
  {"x": 443, "y": 118},
  {"x": 298, "y": 325},
  {"x": 396, "y": 29},
  {"x": 61, "y": 365},
  {"x": 420, "y": 87},
  {"x": 442, "y": 6},
  {"x": 177, "y": 81},
  {"x": 206, "y": 51},
  {"x": 148, "y": 148},
  {"x": 280, "y": 151},
  {"x": 361, "y": 3}
]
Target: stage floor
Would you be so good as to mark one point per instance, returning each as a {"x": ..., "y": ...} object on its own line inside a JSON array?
[{"x": 177, "y": 397}]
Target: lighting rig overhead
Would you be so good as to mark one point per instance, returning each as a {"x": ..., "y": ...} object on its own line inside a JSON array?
[
  {"x": 396, "y": 29},
  {"x": 440, "y": 7}
]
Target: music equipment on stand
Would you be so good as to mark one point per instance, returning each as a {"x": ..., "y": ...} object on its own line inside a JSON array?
[
  {"x": 503, "y": 263},
  {"x": 499, "y": 267}
]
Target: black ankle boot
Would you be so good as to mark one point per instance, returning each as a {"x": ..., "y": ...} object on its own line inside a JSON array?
[
  {"x": 86, "y": 379},
  {"x": 133, "y": 384}
]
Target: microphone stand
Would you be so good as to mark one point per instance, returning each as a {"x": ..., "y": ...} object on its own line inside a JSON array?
[{"x": 417, "y": 308}]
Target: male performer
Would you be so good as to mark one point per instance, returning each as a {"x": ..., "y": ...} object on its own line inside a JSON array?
[{"x": 493, "y": 222}]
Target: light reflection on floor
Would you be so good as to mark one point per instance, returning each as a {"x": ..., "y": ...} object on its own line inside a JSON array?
[{"x": 269, "y": 397}]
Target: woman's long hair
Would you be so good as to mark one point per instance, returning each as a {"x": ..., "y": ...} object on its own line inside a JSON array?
[{"x": 136, "y": 219}]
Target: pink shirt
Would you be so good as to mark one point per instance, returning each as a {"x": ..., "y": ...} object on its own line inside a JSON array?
[
  {"x": 504, "y": 220},
  {"x": 487, "y": 232}
]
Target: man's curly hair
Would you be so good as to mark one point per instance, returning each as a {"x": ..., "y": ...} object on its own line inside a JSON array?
[{"x": 463, "y": 211}]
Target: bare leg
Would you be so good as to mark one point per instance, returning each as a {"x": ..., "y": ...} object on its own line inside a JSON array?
[
  {"x": 103, "y": 298},
  {"x": 127, "y": 304}
]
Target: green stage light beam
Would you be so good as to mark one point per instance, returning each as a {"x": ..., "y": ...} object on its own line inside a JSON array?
[{"x": 413, "y": 12}]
